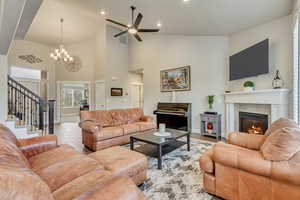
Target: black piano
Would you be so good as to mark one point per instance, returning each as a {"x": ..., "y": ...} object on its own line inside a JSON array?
[{"x": 174, "y": 115}]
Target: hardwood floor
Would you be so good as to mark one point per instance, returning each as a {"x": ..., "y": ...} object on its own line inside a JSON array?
[{"x": 70, "y": 133}]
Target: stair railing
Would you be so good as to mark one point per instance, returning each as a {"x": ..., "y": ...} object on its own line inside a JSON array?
[{"x": 29, "y": 109}]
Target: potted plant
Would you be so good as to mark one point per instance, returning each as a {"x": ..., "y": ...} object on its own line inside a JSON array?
[
  {"x": 211, "y": 99},
  {"x": 248, "y": 86}
]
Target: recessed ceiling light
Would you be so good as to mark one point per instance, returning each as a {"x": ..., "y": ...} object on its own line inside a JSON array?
[
  {"x": 102, "y": 12},
  {"x": 159, "y": 24},
  {"x": 185, "y": 1}
]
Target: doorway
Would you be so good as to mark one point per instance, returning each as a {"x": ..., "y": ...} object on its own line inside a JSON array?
[
  {"x": 71, "y": 95},
  {"x": 100, "y": 95},
  {"x": 137, "y": 97}
]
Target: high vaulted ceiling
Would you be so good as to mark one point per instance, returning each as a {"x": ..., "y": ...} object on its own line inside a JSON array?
[{"x": 197, "y": 17}]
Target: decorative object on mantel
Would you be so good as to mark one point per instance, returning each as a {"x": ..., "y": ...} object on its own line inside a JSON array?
[
  {"x": 248, "y": 86},
  {"x": 61, "y": 54},
  {"x": 32, "y": 59},
  {"x": 211, "y": 125},
  {"x": 277, "y": 81},
  {"x": 177, "y": 79}
]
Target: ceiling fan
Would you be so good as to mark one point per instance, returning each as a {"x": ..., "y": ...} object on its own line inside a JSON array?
[{"x": 134, "y": 28}]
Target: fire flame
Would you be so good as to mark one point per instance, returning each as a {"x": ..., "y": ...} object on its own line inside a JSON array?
[{"x": 255, "y": 130}]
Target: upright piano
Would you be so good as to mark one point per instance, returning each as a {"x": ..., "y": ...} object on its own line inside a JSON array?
[{"x": 174, "y": 115}]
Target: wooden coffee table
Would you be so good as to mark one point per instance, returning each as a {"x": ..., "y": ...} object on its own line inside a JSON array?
[{"x": 156, "y": 146}]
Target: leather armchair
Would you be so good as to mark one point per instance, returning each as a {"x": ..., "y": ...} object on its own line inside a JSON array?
[{"x": 237, "y": 170}]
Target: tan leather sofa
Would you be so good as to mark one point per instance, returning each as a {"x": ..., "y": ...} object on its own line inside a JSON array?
[
  {"x": 105, "y": 128},
  {"x": 255, "y": 166},
  {"x": 39, "y": 169}
]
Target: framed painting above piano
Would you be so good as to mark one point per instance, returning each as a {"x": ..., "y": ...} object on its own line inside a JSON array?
[{"x": 176, "y": 79}]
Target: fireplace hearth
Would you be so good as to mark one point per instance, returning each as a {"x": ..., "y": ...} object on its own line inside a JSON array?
[{"x": 253, "y": 123}]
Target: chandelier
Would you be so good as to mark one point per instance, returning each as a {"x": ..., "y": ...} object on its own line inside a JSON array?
[{"x": 61, "y": 54}]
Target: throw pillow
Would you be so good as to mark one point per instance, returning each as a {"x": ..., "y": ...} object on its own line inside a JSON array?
[
  {"x": 282, "y": 144},
  {"x": 281, "y": 123}
]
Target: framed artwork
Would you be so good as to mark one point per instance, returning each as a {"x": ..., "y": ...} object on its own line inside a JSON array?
[
  {"x": 177, "y": 79},
  {"x": 116, "y": 92}
]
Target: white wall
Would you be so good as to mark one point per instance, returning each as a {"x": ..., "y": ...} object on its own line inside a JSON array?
[
  {"x": 24, "y": 47},
  {"x": 207, "y": 57},
  {"x": 85, "y": 50},
  {"x": 3, "y": 87},
  {"x": 279, "y": 33},
  {"x": 116, "y": 72}
]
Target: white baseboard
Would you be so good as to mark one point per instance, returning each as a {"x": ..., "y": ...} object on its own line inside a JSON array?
[{"x": 196, "y": 130}]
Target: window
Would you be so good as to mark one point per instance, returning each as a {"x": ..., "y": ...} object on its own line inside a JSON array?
[
  {"x": 21, "y": 72},
  {"x": 72, "y": 97}
]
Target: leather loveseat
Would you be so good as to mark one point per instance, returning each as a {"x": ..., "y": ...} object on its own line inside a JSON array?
[
  {"x": 39, "y": 169},
  {"x": 106, "y": 128},
  {"x": 256, "y": 167}
]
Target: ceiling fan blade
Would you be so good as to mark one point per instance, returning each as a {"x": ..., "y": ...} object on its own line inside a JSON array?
[
  {"x": 117, "y": 23},
  {"x": 138, "y": 20},
  {"x": 142, "y": 30},
  {"x": 121, "y": 33},
  {"x": 138, "y": 37}
]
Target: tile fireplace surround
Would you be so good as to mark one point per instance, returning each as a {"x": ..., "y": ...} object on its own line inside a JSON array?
[{"x": 277, "y": 100}]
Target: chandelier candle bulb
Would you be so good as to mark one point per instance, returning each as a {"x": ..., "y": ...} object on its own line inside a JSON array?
[{"x": 61, "y": 54}]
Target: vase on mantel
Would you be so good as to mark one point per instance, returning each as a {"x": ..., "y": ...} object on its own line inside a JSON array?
[{"x": 277, "y": 81}]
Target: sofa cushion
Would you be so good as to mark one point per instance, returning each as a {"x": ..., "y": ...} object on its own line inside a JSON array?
[
  {"x": 120, "y": 117},
  {"x": 82, "y": 184},
  {"x": 102, "y": 117},
  {"x": 130, "y": 128},
  {"x": 282, "y": 144},
  {"x": 108, "y": 133},
  {"x": 117, "y": 188},
  {"x": 6, "y": 134},
  {"x": 145, "y": 126},
  {"x": 11, "y": 155},
  {"x": 63, "y": 172},
  {"x": 134, "y": 114},
  {"x": 281, "y": 123},
  {"x": 51, "y": 157},
  {"x": 22, "y": 184},
  {"x": 241, "y": 158},
  {"x": 121, "y": 161}
]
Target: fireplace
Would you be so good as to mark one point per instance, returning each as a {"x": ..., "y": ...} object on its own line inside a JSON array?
[{"x": 253, "y": 123}]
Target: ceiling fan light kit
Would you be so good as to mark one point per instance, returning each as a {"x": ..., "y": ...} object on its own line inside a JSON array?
[{"x": 133, "y": 28}]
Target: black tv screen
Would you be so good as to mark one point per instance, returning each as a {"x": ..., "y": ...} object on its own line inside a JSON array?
[{"x": 250, "y": 62}]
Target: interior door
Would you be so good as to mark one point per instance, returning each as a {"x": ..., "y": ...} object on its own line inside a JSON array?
[
  {"x": 100, "y": 95},
  {"x": 137, "y": 96}
]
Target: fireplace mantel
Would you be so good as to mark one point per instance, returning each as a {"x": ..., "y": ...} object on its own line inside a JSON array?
[{"x": 278, "y": 99}]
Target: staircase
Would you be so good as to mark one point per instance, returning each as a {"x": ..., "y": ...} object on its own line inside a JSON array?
[{"x": 28, "y": 114}]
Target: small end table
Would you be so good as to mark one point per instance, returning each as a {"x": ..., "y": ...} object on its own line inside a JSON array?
[{"x": 215, "y": 121}]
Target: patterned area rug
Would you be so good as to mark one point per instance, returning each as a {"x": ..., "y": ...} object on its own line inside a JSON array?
[{"x": 181, "y": 177}]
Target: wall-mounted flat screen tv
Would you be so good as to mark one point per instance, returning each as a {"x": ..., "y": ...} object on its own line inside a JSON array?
[
  {"x": 116, "y": 92},
  {"x": 252, "y": 61}
]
